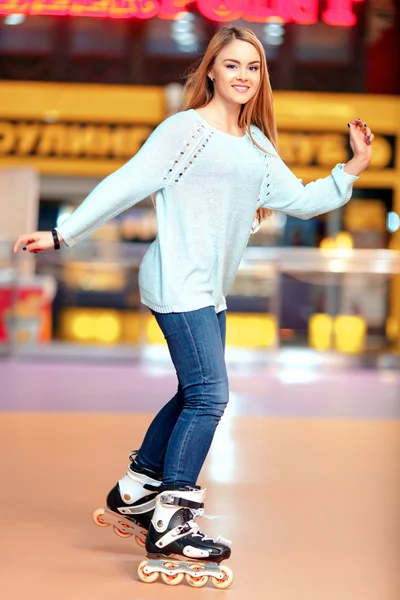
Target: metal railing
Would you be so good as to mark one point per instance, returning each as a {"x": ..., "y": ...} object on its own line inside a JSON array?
[{"x": 43, "y": 297}]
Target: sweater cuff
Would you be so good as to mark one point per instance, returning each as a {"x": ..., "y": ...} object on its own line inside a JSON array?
[
  {"x": 340, "y": 172},
  {"x": 67, "y": 238}
]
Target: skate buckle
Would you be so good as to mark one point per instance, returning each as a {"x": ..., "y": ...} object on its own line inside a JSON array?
[{"x": 167, "y": 499}]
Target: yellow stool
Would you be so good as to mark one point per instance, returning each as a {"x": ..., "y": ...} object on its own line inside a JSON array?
[
  {"x": 349, "y": 333},
  {"x": 320, "y": 327}
]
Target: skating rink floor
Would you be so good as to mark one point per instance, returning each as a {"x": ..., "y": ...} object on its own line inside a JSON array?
[{"x": 304, "y": 474}]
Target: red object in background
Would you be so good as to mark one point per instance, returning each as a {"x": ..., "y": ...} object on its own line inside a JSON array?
[
  {"x": 28, "y": 303},
  {"x": 383, "y": 48},
  {"x": 339, "y": 12}
]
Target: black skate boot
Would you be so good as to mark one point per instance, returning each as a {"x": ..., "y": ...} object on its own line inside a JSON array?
[
  {"x": 131, "y": 503},
  {"x": 175, "y": 547}
]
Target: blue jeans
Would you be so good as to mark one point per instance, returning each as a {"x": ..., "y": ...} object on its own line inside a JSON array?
[{"x": 179, "y": 438}]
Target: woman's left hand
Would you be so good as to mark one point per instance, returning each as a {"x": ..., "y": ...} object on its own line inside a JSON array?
[{"x": 361, "y": 138}]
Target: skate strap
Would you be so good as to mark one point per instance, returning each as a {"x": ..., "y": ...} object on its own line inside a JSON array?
[
  {"x": 151, "y": 488},
  {"x": 176, "y": 533},
  {"x": 173, "y": 500},
  {"x": 139, "y": 509}
]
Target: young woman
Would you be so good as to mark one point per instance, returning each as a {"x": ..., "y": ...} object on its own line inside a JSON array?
[{"x": 216, "y": 173}]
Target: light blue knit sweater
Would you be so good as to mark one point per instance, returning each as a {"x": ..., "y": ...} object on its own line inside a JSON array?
[{"x": 208, "y": 185}]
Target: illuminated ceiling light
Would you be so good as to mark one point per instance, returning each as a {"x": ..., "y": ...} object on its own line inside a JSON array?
[
  {"x": 14, "y": 19},
  {"x": 274, "y": 33},
  {"x": 392, "y": 222},
  {"x": 183, "y": 34},
  {"x": 275, "y": 29},
  {"x": 181, "y": 26},
  {"x": 186, "y": 38},
  {"x": 183, "y": 17}
]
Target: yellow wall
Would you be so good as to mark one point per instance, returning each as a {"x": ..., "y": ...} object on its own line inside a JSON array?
[
  {"x": 50, "y": 117},
  {"x": 137, "y": 109}
]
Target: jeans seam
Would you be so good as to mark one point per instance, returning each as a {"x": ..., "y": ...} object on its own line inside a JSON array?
[{"x": 190, "y": 426}]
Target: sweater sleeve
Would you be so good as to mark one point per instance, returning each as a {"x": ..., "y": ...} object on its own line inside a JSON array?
[
  {"x": 281, "y": 190},
  {"x": 152, "y": 168}
]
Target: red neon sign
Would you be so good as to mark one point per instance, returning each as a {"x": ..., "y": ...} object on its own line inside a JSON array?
[{"x": 304, "y": 12}]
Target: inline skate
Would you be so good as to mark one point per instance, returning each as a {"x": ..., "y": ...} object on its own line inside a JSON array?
[
  {"x": 131, "y": 503},
  {"x": 176, "y": 548}
]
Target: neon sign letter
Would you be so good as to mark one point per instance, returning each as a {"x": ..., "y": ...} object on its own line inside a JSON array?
[
  {"x": 222, "y": 11},
  {"x": 305, "y": 12},
  {"x": 339, "y": 12}
]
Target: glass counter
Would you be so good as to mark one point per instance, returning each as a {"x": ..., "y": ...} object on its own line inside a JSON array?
[{"x": 84, "y": 302}]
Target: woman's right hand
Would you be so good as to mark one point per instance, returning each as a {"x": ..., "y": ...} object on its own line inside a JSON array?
[{"x": 38, "y": 241}]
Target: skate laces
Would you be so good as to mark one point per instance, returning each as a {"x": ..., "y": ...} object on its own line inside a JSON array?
[
  {"x": 199, "y": 512},
  {"x": 133, "y": 454}
]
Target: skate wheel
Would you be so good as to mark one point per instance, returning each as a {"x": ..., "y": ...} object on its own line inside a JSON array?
[
  {"x": 98, "y": 518},
  {"x": 224, "y": 583},
  {"x": 139, "y": 541},
  {"x": 175, "y": 579},
  {"x": 194, "y": 581},
  {"x": 146, "y": 577},
  {"x": 121, "y": 532}
]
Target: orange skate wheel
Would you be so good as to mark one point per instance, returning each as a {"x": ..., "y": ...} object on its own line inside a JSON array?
[
  {"x": 98, "y": 518},
  {"x": 146, "y": 577},
  {"x": 199, "y": 581},
  {"x": 121, "y": 532},
  {"x": 139, "y": 541},
  {"x": 174, "y": 579},
  {"x": 224, "y": 583}
]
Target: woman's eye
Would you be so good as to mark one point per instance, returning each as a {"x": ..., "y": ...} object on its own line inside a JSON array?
[{"x": 253, "y": 68}]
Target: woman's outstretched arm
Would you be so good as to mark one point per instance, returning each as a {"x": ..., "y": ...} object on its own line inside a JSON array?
[
  {"x": 148, "y": 171},
  {"x": 281, "y": 190}
]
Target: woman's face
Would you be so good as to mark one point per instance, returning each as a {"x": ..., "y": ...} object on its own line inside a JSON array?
[{"x": 236, "y": 72}]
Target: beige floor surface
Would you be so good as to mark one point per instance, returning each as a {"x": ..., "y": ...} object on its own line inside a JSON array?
[{"x": 312, "y": 507}]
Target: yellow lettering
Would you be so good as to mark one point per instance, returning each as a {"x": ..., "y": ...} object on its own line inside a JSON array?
[
  {"x": 52, "y": 140},
  {"x": 382, "y": 152},
  {"x": 119, "y": 142},
  {"x": 98, "y": 140},
  {"x": 27, "y": 137},
  {"x": 297, "y": 148},
  {"x": 7, "y": 138},
  {"x": 286, "y": 148},
  {"x": 305, "y": 148},
  {"x": 331, "y": 149},
  {"x": 136, "y": 137},
  {"x": 76, "y": 140}
]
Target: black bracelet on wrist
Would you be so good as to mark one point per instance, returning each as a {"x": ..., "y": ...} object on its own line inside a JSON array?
[{"x": 56, "y": 241}]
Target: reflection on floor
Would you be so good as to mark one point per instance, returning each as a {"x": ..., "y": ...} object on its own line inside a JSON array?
[{"x": 304, "y": 474}]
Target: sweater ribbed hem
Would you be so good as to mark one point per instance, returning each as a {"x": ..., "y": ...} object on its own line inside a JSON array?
[{"x": 183, "y": 307}]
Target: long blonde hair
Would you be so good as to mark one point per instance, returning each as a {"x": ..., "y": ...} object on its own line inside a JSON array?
[{"x": 199, "y": 90}]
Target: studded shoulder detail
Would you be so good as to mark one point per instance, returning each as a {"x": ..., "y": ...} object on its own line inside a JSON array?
[
  {"x": 190, "y": 151},
  {"x": 263, "y": 141}
]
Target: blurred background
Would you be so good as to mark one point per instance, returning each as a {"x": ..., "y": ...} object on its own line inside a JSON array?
[
  {"x": 82, "y": 84},
  {"x": 315, "y": 303}
]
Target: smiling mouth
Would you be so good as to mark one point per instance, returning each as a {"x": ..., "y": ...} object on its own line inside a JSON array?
[{"x": 240, "y": 88}]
